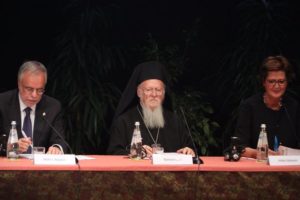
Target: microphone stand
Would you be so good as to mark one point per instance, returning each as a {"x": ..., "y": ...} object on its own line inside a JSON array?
[
  {"x": 196, "y": 158},
  {"x": 59, "y": 135}
]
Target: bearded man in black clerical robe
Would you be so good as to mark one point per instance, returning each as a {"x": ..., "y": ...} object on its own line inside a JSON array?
[{"x": 146, "y": 99}]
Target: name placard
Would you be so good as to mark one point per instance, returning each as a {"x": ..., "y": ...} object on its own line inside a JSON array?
[
  {"x": 172, "y": 159},
  {"x": 284, "y": 160},
  {"x": 54, "y": 159}
]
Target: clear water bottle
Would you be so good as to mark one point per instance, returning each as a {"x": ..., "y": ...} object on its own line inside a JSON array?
[
  {"x": 262, "y": 145},
  {"x": 136, "y": 148},
  {"x": 12, "y": 142}
]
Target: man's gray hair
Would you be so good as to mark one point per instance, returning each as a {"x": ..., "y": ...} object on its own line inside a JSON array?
[{"x": 33, "y": 67}]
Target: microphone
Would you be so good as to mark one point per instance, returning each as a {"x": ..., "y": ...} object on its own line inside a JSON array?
[
  {"x": 58, "y": 134},
  {"x": 196, "y": 158},
  {"x": 291, "y": 124}
]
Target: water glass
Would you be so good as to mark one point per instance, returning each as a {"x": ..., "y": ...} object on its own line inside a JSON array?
[
  {"x": 157, "y": 148},
  {"x": 38, "y": 150}
]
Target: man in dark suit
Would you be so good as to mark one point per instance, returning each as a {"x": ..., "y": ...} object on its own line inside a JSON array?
[{"x": 30, "y": 107}]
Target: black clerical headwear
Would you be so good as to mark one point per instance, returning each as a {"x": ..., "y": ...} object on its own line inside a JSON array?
[
  {"x": 149, "y": 70},
  {"x": 144, "y": 71}
]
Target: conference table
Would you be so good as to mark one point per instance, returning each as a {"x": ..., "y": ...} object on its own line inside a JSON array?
[{"x": 118, "y": 177}]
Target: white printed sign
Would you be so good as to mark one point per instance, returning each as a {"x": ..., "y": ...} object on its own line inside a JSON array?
[
  {"x": 54, "y": 159},
  {"x": 284, "y": 160},
  {"x": 172, "y": 159}
]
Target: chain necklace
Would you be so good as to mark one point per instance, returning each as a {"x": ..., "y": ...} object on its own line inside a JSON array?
[{"x": 157, "y": 134}]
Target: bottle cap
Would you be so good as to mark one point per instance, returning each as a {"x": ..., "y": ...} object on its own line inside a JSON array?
[
  {"x": 13, "y": 123},
  {"x": 137, "y": 123},
  {"x": 263, "y": 125}
]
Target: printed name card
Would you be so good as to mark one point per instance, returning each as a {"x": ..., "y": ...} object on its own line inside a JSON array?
[
  {"x": 284, "y": 160},
  {"x": 171, "y": 159},
  {"x": 50, "y": 159}
]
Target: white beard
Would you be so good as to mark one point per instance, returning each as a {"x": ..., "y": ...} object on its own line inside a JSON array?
[{"x": 155, "y": 118}]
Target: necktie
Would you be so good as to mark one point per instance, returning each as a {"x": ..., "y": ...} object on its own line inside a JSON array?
[{"x": 27, "y": 126}]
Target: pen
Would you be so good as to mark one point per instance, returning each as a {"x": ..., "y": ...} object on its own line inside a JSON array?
[
  {"x": 25, "y": 136},
  {"x": 276, "y": 144}
]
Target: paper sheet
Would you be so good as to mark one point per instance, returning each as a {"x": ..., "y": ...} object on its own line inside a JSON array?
[
  {"x": 82, "y": 157},
  {"x": 288, "y": 151},
  {"x": 25, "y": 155},
  {"x": 79, "y": 157}
]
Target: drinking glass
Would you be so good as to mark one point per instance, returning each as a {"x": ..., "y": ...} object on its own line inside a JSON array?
[
  {"x": 157, "y": 148},
  {"x": 39, "y": 150}
]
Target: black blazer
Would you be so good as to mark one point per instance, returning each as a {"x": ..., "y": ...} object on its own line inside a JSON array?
[{"x": 43, "y": 135}]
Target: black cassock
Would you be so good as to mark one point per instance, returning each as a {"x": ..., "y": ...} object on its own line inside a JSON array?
[{"x": 172, "y": 137}]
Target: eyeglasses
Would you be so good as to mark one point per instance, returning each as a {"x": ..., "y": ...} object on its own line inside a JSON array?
[
  {"x": 30, "y": 90},
  {"x": 280, "y": 82},
  {"x": 158, "y": 91}
]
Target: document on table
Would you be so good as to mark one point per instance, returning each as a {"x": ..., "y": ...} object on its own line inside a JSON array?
[
  {"x": 82, "y": 157},
  {"x": 288, "y": 151},
  {"x": 79, "y": 157},
  {"x": 27, "y": 155}
]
